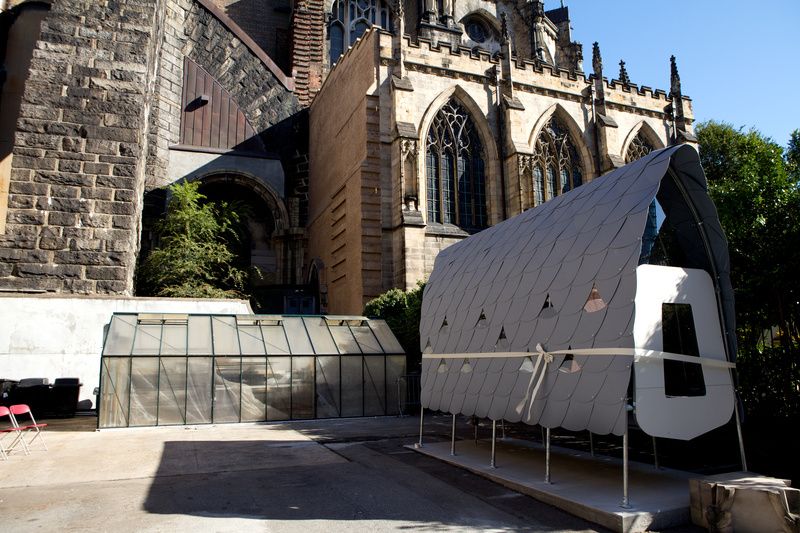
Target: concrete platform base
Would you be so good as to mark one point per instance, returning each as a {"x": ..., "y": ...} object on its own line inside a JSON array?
[{"x": 585, "y": 486}]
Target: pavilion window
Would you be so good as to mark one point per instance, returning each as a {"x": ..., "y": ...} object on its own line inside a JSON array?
[
  {"x": 679, "y": 336},
  {"x": 456, "y": 183}
]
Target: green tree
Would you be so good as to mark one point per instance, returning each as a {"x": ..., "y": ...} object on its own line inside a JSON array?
[
  {"x": 758, "y": 200},
  {"x": 402, "y": 311},
  {"x": 793, "y": 155},
  {"x": 193, "y": 258}
]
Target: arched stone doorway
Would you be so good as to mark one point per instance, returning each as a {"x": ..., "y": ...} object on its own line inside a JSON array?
[{"x": 261, "y": 249}]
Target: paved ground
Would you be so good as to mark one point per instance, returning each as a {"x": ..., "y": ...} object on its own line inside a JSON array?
[{"x": 327, "y": 476}]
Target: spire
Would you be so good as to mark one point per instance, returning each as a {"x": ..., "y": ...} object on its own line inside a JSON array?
[
  {"x": 675, "y": 78},
  {"x": 597, "y": 61},
  {"x": 538, "y": 7},
  {"x": 503, "y": 28},
  {"x": 623, "y": 74}
]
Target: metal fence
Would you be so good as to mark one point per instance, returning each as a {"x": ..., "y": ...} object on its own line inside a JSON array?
[{"x": 408, "y": 389}]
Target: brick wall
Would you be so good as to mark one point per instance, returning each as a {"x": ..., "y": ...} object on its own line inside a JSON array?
[{"x": 308, "y": 48}]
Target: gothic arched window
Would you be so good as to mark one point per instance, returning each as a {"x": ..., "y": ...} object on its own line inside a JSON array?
[
  {"x": 454, "y": 167},
  {"x": 556, "y": 166},
  {"x": 638, "y": 148},
  {"x": 350, "y": 19}
]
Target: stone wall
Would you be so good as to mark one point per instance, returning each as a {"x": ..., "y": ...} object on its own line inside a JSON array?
[
  {"x": 75, "y": 184},
  {"x": 196, "y": 30},
  {"x": 100, "y": 109},
  {"x": 344, "y": 206},
  {"x": 267, "y": 22}
]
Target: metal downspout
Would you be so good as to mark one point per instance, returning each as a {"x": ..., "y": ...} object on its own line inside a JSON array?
[{"x": 500, "y": 141}]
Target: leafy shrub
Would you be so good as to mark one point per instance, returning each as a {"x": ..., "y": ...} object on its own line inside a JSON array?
[
  {"x": 193, "y": 258},
  {"x": 401, "y": 311}
]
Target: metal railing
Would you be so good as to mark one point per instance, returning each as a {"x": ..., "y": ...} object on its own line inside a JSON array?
[{"x": 408, "y": 389}]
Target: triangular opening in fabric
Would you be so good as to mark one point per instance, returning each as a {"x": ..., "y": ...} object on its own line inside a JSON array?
[
  {"x": 481, "y": 323},
  {"x": 502, "y": 341},
  {"x": 569, "y": 365},
  {"x": 595, "y": 301},
  {"x": 548, "y": 309}
]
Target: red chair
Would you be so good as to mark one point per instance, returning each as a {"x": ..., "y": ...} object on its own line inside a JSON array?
[
  {"x": 33, "y": 426},
  {"x": 13, "y": 431}
]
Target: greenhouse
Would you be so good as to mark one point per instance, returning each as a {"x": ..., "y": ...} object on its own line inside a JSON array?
[{"x": 200, "y": 369}]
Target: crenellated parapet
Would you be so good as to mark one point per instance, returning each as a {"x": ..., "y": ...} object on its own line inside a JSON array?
[{"x": 470, "y": 64}]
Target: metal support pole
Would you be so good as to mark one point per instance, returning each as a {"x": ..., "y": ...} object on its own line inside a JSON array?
[
  {"x": 453, "y": 437},
  {"x": 626, "y": 504},
  {"x": 741, "y": 440},
  {"x": 475, "y": 423},
  {"x": 421, "y": 419},
  {"x": 591, "y": 444},
  {"x": 655, "y": 453},
  {"x": 547, "y": 456},
  {"x": 493, "y": 464},
  {"x": 503, "y": 429}
]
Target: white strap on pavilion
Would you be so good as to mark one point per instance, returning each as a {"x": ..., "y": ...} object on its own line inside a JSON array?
[{"x": 638, "y": 354}]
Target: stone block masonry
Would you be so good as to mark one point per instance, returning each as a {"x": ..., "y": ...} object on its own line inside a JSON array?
[
  {"x": 78, "y": 163},
  {"x": 100, "y": 110},
  {"x": 193, "y": 30}
]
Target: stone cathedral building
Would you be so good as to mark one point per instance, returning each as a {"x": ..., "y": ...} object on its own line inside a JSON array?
[{"x": 365, "y": 136}]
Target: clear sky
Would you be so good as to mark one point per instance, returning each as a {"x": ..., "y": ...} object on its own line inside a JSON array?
[{"x": 739, "y": 60}]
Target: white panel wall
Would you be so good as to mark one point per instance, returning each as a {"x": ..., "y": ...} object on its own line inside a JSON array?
[
  {"x": 60, "y": 336},
  {"x": 678, "y": 417}
]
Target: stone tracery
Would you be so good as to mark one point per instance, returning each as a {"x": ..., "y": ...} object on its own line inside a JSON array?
[
  {"x": 638, "y": 148},
  {"x": 349, "y": 19},
  {"x": 454, "y": 162},
  {"x": 556, "y": 166}
]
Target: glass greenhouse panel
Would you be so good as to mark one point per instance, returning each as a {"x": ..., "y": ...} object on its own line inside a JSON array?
[
  {"x": 254, "y": 389},
  {"x": 297, "y": 336},
  {"x": 172, "y": 391},
  {"x": 352, "y": 385},
  {"x": 344, "y": 339},
  {"x": 321, "y": 338},
  {"x": 119, "y": 340},
  {"x": 366, "y": 340},
  {"x": 199, "y": 388},
  {"x": 374, "y": 386},
  {"x": 226, "y": 337},
  {"x": 279, "y": 388},
  {"x": 144, "y": 391},
  {"x": 386, "y": 337},
  {"x": 115, "y": 383},
  {"x": 275, "y": 340},
  {"x": 200, "y": 336},
  {"x": 250, "y": 340},
  {"x": 173, "y": 339},
  {"x": 147, "y": 340},
  {"x": 328, "y": 387},
  {"x": 227, "y": 388},
  {"x": 303, "y": 387}
]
